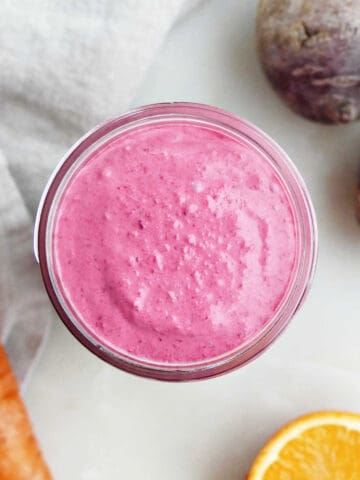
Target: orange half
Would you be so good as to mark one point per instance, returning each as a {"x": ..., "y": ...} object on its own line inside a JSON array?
[{"x": 320, "y": 446}]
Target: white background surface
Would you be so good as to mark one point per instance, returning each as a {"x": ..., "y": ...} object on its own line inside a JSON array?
[{"x": 97, "y": 423}]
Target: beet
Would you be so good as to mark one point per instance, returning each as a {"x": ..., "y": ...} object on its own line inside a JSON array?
[
  {"x": 357, "y": 199},
  {"x": 310, "y": 51}
]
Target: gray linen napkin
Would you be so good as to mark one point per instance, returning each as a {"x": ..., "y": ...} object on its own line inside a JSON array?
[{"x": 64, "y": 67}]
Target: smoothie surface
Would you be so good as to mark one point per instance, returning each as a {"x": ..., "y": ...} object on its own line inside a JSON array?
[{"x": 174, "y": 242}]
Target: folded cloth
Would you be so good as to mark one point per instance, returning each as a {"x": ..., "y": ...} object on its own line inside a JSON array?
[
  {"x": 64, "y": 67},
  {"x": 24, "y": 312}
]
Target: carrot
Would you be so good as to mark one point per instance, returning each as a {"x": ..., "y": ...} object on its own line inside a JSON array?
[{"x": 20, "y": 456}]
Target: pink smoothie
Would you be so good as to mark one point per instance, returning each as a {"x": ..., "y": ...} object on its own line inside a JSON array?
[{"x": 174, "y": 242}]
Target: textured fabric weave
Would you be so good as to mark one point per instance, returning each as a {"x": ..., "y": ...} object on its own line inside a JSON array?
[{"x": 64, "y": 67}]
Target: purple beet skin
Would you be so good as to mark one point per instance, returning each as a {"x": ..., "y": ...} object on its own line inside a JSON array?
[
  {"x": 357, "y": 199},
  {"x": 310, "y": 51}
]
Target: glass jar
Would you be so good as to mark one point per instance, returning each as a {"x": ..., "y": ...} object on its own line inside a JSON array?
[{"x": 225, "y": 123}]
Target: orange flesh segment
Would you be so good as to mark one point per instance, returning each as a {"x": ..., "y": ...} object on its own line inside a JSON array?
[{"x": 327, "y": 451}]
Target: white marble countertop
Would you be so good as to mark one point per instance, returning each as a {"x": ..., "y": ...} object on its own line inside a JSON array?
[{"x": 97, "y": 423}]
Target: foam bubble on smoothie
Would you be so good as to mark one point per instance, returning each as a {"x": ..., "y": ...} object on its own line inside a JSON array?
[{"x": 174, "y": 242}]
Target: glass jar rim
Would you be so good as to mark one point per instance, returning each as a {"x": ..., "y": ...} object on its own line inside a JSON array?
[{"x": 297, "y": 190}]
